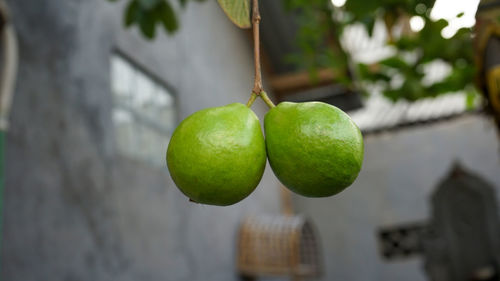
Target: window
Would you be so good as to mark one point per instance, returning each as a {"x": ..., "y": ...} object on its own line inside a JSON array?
[{"x": 144, "y": 112}]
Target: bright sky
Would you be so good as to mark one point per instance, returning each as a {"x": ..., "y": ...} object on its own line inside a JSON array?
[
  {"x": 446, "y": 9},
  {"x": 338, "y": 3},
  {"x": 449, "y": 9}
]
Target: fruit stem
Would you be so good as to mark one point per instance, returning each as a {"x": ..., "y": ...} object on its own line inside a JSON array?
[
  {"x": 253, "y": 97},
  {"x": 257, "y": 87},
  {"x": 266, "y": 99}
]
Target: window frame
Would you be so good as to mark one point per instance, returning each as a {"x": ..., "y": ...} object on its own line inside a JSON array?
[{"x": 140, "y": 117}]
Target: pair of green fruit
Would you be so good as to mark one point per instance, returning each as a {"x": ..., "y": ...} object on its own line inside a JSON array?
[{"x": 217, "y": 155}]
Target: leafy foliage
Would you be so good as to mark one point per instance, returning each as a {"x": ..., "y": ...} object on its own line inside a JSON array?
[
  {"x": 318, "y": 39},
  {"x": 147, "y": 14},
  {"x": 238, "y": 11},
  {"x": 400, "y": 76},
  {"x": 414, "y": 51}
]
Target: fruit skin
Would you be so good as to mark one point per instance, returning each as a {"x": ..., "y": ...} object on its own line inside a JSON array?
[
  {"x": 217, "y": 155},
  {"x": 314, "y": 148}
]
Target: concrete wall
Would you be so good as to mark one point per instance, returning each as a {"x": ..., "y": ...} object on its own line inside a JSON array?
[
  {"x": 400, "y": 171},
  {"x": 75, "y": 210}
]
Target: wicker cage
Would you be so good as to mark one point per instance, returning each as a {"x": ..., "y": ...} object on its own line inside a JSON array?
[{"x": 278, "y": 246}]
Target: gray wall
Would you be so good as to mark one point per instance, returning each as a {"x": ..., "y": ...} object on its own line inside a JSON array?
[
  {"x": 400, "y": 171},
  {"x": 76, "y": 210}
]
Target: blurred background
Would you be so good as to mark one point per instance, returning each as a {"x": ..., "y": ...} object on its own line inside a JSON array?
[{"x": 92, "y": 90}]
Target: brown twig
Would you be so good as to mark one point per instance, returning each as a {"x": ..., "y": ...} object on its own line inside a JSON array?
[{"x": 257, "y": 87}]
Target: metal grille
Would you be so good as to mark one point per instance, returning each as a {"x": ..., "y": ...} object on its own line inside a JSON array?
[{"x": 401, "y": 241}]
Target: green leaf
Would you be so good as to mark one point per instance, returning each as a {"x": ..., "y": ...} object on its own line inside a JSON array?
[
  {"x": 473, "y": 97},
  {"x": 394, "y": 62},
  {"x": 147, "y": 25},
  {"x": 238, "y": 11},
  {"x": 369, "y": 23},
  {"x": 149, "y": 4},
  {"x": 366, "y": 74},
  {"x": 132, "y": 13},
  {"x": 392, "y": 95},
  {"x": 167, "y": 17},
  {"x": 361, "y": 8},
  {"x": 470, "y": 98}
]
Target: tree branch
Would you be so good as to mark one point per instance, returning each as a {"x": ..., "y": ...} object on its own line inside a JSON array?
[{"x": 257, "y": 87}]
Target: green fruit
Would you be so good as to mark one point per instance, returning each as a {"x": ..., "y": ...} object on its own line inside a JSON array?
[
  {"x": 314, "y": 148},
  {"x": 217, "y": 155}
]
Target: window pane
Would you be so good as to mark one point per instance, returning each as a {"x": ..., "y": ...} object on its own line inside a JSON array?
[
  {"x": 143, "y": 91},
  {"x": 121, "y": 77},
  {"x": 144, "y": 116},
  {"x": 124, "y": 129},
  {"x": 164, "y": 98},
  {"x": 168, "y": 117}
]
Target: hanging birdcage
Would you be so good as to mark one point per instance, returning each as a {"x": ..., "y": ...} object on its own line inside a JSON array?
[{"x": 278, "y": 246}]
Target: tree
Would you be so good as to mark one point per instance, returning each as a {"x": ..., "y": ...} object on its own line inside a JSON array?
[{"x": 322, "y": 26}]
